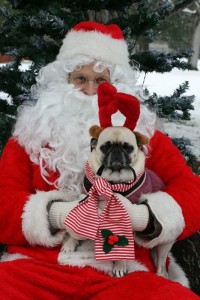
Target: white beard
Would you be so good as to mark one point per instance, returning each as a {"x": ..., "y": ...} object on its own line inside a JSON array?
[
  {"x": 57, "y": 136},
  {"x": 55, "y": 133}
]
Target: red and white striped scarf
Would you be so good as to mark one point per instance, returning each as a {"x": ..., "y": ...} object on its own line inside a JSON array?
[{"x": 85, "y": 221}]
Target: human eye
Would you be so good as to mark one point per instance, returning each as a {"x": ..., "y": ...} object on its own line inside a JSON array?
[
  {"x": 101, "y": 79},
  {"x": 79, "y": 79}
]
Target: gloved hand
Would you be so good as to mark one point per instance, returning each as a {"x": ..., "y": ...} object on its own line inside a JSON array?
[
  {"x": 138, "y": 213},
  {"x": 59, "y": 211}
]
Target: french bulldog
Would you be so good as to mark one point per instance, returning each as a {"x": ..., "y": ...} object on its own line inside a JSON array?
[{"x": 117, "y": 155}]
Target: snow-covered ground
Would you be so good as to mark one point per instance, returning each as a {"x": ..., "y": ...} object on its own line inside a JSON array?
[{"x": 164, "y": 85}]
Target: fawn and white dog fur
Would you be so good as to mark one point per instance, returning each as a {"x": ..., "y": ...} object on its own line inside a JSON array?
[{"x": 119, "y": 150}]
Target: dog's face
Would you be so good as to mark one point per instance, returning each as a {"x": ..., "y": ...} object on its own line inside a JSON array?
[{"x": 117, "y": 149}]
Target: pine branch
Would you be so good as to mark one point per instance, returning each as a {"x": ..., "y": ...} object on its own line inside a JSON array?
[{"x": 182, "y": 4}]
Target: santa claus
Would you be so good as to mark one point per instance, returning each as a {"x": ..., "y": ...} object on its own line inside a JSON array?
[{"x": 42, "y": 170}]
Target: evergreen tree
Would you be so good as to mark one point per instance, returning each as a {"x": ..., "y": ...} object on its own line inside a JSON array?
[
  {"x": 178, "y": 29},
  {"x": 34, "y": 29}
]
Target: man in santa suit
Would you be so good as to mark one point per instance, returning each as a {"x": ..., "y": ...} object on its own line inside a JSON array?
[{"x": 41, "y": 176}]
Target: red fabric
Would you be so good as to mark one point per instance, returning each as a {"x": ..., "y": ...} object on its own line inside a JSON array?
[
  {"x": 19, "y": 178},
  {"x": 184, "y": 186},
  {"x": 111, "y": 30},
  {"x": 29, "y": 279},
  {"x": 110, "y": 101}
]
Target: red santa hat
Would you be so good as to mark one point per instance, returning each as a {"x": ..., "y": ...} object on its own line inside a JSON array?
[{"x": 96, "y": 41}]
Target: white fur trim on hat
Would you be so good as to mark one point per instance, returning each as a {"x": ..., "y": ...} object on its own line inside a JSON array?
[
  {"x": 168, "y": 213},
  {"x": 95, "y": 45},
  {"x": 35, "y": 223}
]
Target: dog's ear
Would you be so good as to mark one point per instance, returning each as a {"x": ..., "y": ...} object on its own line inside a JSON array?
[
  {"x": 93, "y": 143},
  {"x": 95, "y": 131},
  {"x": 141, "y": 138}
]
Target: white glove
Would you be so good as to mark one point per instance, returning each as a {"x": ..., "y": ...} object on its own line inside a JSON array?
[
  {"x": 138, "y": 213},
  {"x": 59, "y": 211}
]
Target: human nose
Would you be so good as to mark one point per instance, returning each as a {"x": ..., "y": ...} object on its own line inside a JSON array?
[{"x": 90, "y": 88}]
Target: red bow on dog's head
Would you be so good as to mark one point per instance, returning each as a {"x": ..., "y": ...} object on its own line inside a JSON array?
[{"x": 110, "y": 101}]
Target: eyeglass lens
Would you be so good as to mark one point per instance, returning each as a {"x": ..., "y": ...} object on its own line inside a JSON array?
[{"x": 80, "y": 79}]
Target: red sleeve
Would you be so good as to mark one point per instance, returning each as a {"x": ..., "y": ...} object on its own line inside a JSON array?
[
  {"x": 184, "y": 186},
  {"x": 15, "y": 188}
]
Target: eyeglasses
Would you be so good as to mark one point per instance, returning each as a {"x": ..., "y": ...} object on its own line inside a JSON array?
[{"x": 80, "y": 80}]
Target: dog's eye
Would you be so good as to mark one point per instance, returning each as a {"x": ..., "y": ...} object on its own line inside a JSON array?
[
  {"x": 128, "y": 148},
  {"x": 106, "y": 147}
]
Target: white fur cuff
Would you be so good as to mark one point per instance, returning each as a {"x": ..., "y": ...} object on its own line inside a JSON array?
[{"x": 168, "y": 213}]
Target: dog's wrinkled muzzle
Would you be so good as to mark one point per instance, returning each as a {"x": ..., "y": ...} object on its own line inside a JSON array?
[{"x": 117, "y": 158}]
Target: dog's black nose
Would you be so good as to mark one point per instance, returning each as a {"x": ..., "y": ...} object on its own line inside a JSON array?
[{"x": 116, "y": 165}]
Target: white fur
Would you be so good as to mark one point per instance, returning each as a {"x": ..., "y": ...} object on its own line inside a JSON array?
[
  {"x": 10, "y": 257},
  {"x": 48, "y": 138},
  {"x": 85, "y": 256},
  {"x": 96, "y": 45},
  {"x": 169, "y": 215}
]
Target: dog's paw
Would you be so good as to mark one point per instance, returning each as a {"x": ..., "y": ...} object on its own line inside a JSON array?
[
  {"x": 162, "y": 272},
  {"x": 69, "y": 245},
  {"x": 120, "y": 268}
]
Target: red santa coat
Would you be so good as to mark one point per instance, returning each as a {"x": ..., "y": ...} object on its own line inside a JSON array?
[{"x": 24, "y": 196}]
